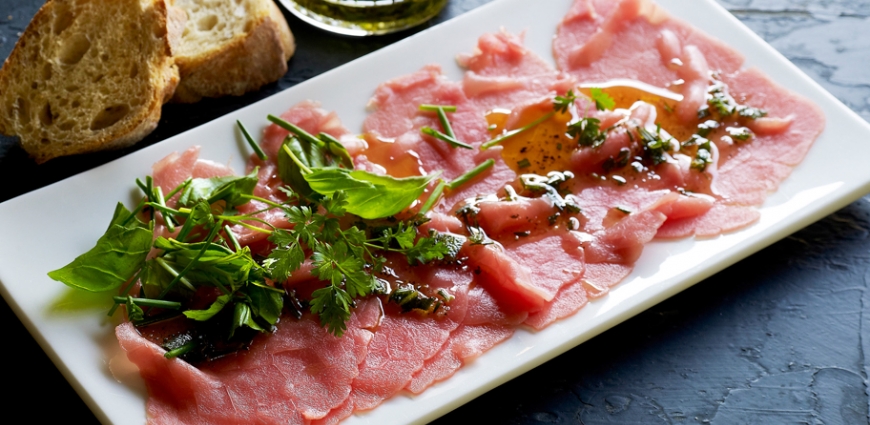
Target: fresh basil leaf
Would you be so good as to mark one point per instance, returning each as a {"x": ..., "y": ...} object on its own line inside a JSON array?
[
  {"x": 369, "y": 196},
  {"x": 226, "y": 188},
  {"x": 213, "y": 309},
  {"x": 266, "y": 302},
  {"x": 337, "y": 150},
  {"x": 118, "y": 255},
  {"x": 242, "y": 317}
]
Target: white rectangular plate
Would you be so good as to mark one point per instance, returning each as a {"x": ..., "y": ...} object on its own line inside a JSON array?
[{"x": 75, "y": 212}]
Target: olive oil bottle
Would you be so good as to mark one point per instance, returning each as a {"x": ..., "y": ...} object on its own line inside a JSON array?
[{"x": 364, "y": 17}]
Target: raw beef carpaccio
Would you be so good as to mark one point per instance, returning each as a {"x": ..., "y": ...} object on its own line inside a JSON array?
[{"x": 545, "y": 263}]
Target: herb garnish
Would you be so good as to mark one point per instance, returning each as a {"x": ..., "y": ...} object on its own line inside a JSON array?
[
  {"x": 603, "y": 101},
  {"x": 561, "y": 104},
  {"x": 704, "y": 153},
  {"x": 654, "y": 146},
  {"x": 325, "y": 195},
  {"x": 448, "y": 135},
  {"x": 587, "y": 132}
]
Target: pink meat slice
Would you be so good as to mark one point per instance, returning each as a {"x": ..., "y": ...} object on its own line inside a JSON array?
[
  {"x": 719, "y": 219},
  {"x": 403, "y": 342},
  {"x": 602, "y": 40},
  {"x": 296, "y": 374},
  {"x": 502, "y": 73},
  {"x": 570, "y": 299},
  {"x": 466, "y": 343},
  {"x": 182, "y": 394},
  {"x": 526, "y": 274},
  {"x": 762, "y": 164},
  {"x": 484, "y": 309}
]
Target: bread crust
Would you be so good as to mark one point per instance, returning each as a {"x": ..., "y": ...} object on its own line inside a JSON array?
[
  {"x": 41, "y": 140},
  {"x": 243, "y": 64}
]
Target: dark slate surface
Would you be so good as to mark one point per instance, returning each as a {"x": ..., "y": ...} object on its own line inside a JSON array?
[{"x": 778, "y": 338}]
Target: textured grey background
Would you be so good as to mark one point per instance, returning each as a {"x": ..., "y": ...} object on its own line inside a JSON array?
[{"x": 779, "y": 338}]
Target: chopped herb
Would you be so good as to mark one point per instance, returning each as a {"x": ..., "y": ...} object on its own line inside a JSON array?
[
  {"x": 706, "y": 127},
  {"x": 562, "y": 103},
  {"x": 586, "y": 132},
  {"x": 722, "y": 104},
  {"x": 524, "y": 163},
  {"x": 739, "y": 133},
  {"x": 750, "y": 112},
  {"x": 550, "y": 186},
  {"x": 603, "y": 101},
  {"x": 620, "y": 161},
  {"x": 704, "y": 154},
  {"x": 654, "y": 147}
]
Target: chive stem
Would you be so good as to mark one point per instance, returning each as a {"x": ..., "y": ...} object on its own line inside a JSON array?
[
  {"x": 142, "y": 186},
  {"x": 125, "y": 291},
  {"x": 434, "y": 108},
  {"x": 178, "y": 188},
  {"x": 441, "y": 136},
  {"x": 445, "y": 123},
  {"x": 250, "y": 140},
  {"x": 149, "y": 302},
  {"x": 232, "y": 238},
  {"x": 134, "y": 212},
  {"x": 305, "y": 170},
  {"x": 167, "y": 217},
  {"x": 304, "y": 135},
  {"x": 171, "y": 270},
  {"x": 470, "y": 174},
  {"x": 514, "y": 132},
  {"x": 261, "y": 199},
  {"x": 434, "y": 197}
]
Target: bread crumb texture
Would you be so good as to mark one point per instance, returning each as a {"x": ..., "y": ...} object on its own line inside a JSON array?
[{"x": 87, "y": 75}]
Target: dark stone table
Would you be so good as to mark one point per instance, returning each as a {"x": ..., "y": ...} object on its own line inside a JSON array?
[{"x": 777, "y": 338}]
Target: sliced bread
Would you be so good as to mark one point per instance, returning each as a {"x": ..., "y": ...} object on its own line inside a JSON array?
[
  {"x": 88, "y": 75},
  {"x": 230, "y": 47}
]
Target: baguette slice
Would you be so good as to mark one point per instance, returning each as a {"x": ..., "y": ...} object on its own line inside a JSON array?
[
  {"x": 231, "y": 47},
  {"x": 88, "y": 75}
]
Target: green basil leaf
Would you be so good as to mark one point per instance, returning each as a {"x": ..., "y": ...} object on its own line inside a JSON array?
[
  {"x": 226, "y": 188},
  {"x": 369, "y": 196},
  {"x": 213, "y": 309},
  {"x": 308, "y": 154},
  {"x": 337, "y": 150},
  {"x": 118, "y": 255},
  {"x": 266, "y": 303},
  {"x": 242, "y": 317}
]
